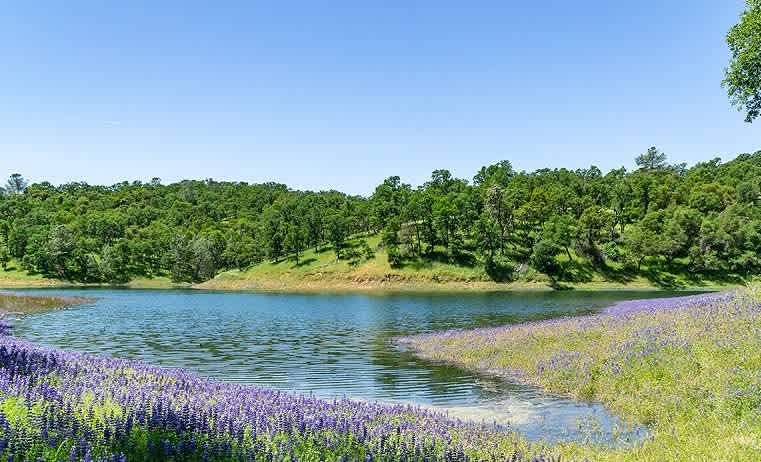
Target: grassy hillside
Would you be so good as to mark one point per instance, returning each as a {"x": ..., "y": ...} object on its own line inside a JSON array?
[
  {"x": 320, "y": 270},
  {"x": 13, "y": 276}
]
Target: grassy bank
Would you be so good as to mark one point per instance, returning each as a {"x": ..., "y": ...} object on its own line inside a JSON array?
[
  {"x": 688, "y": 368},
  {"x": 318, "y": 270},
  {"x": 16, "y": 278}
]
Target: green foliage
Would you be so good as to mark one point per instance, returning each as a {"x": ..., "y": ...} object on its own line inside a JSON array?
[
  {"x": 16, "y": 184},
  {"x": 295, "y": 241},
  {"x": 706, "y": 219},
  {"x": 543, "y": 257},
  {"x": 5, "y": 255},
  {"x": 113, "y": 263},
  {"x": 742, "y": 78},
  {"x": 652, "y": 159},
  {"x": 395, "y": 259},
  {"x": 390, "y": 236},
  {"x": 500, "y": 269},
  {"x": 337, "y": 232}
]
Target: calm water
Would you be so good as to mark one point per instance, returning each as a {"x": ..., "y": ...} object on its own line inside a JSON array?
[{"x": 330, "y": 345}]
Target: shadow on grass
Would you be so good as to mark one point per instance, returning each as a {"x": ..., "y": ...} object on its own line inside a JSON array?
[
  {"x": 621, "y": 275},
  {"x": 427, "y": 260},
  {"x": 16, "y": 268},
  {"x": 576, "y": 271},
  {"x": 581, "y": 270},
  {"x": 679, "y": 274},
  {"x": 304, "y": 262},
  {"x": 558, "y": 285}
]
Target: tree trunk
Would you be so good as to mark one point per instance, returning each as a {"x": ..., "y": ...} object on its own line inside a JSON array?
[{"x": 417, "y": 233}]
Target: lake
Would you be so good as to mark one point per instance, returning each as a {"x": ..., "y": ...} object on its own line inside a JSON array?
[{"x": 333, "y": 345}]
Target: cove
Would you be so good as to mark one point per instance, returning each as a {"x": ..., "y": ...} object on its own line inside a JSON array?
[{"x": 334, "y": 346}]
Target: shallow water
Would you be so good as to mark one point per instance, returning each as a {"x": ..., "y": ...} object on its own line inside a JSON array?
[{"x": 333, "y": 345}]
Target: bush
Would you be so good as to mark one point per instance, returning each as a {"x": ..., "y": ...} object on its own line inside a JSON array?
[
  {"x": 394, "y": 256},
  {"x": 358, "y": 253},
  {"x": 543, "y": 258},
  {"x": 613, "y": 252},
  {"x": 500, "y": 269},
  {"x": 365, "y": 250}
]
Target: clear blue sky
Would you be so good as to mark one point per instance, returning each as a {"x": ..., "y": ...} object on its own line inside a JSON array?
[{"x": 341, "y": 94}]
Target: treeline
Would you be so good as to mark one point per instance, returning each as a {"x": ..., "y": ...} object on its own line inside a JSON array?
[{"x": 706, "y": 218}]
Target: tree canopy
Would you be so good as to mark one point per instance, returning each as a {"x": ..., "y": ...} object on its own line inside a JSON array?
[
  {"x": 743, "y": 76},
  {"x": 706, "y": 218}
]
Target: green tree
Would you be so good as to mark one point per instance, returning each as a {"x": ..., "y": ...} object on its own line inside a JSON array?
[
  {"x": 5, "y": 255},
  {"x": 60, "y": 247},
  {"x": 272, "y": 233},
  {"x": 488, "y": 233},
  {"x": 16, "y": 184},
  {"x": 337, "y": 232},
  {"x": 389, "y": 200},
  {"x": 295, "y": 241},
  {"x": 652, "y": 159},
  {"x": 742, "y": 78},
  {"x": 181, "y": 259},
  {"x": 390, "y": 235},
  {"x": 591, "y": 231},
  {"x": 112, "y": 264},
  {"x": 543, "y": 258},
  {"x": 241, "y": 251},
  {"x": 499, "y": 211},
  {"x": 642, "y": 242},
  {"x": 561, "y": 230},
  {"x": 204, "y": 253}
]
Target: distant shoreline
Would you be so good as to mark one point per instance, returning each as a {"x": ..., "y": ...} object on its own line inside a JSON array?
[{"x": 338, "y": 285}]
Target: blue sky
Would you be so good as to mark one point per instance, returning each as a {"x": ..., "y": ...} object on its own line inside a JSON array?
[{"x": 341, "y": 94}]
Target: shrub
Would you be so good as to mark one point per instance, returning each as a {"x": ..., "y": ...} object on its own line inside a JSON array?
[
  {"x": 500, "y": 269},
  {"x": 394, "y": 256}
]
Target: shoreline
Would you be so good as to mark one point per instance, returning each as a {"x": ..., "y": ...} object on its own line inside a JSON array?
[
  {"x": 652, "y": 362},
  {"x": 347, "y": 286},
  {"x": 463, "y": 435}
]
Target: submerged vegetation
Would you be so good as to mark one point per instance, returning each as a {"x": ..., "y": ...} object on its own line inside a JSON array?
[
  {"x": 665, "y": 224},
  {"x": 686, "y": 367},
  {"x": 15, "y": 303}
]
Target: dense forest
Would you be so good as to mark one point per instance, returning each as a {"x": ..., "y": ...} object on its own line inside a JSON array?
[{"x": 706, "y": 218}]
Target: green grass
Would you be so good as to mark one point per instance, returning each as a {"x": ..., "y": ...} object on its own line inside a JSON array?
[
  {"x": 14, "y": 276},
  {"x": 320, "y": 271},
  {"x": 654, "y": 272},
  {"x": 693, "y": 375}
]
